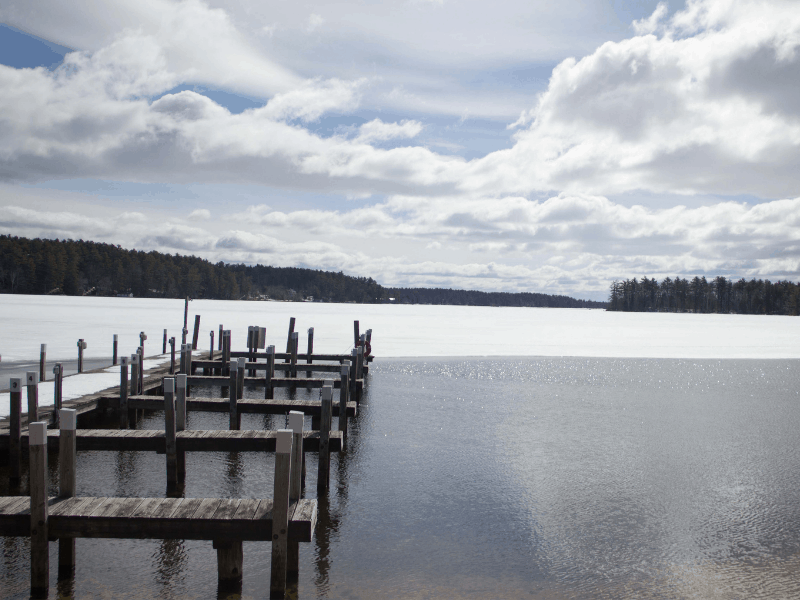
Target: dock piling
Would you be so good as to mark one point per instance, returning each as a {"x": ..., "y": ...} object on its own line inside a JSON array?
[
  {"x": 268, "y": 389},
  {"x": 164, "y": 344},
  {"x": 58, "y": 393},
  {"x": 323, "y": 478},
  {"x": 172, "y": 356},
  {"x": 296, "y": 420},
  {"x": 196, "y": 333},
  {"x": 211, "y": 350},
  {"x": 343, "y": 396},
  {"x": 40, "y": 554},
  {"x": 123, "y": 393},
  {"x": 229, "y": 563},
  {"x": 134, "y": 374},
  {"x": 180, "y": 422},
  {"x": 295, "y": 344},
  {"x": 235, "y": 420},
  {"x": 310, "y": 349},
  {"x": 67, "y": 479},
  {"x": 356, "y": 334},
  {"x": 15, "y": 430},
  {"x": 32, "y": 383},
  {"x": 42, "y": 362},
  {"x": 81, "y": 347},
  {"x": 280, "y": 513},
  {"x": 114, "y": 347},
  {"x": 220, "y": 338},
  {"x": 289, "y": 337},
  {"x": 170, "y": 437}
]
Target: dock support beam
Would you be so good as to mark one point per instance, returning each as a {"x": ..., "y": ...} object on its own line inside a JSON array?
[
  {"x": 323, "y": 478},
  {"x": 170, "y": 433},
  {"x": 234, "y": 422},
  {"x": 344, "y": 388},
  {"x": 180, "y": 423},
  {"x": 123, "y": 393},
  {"x": 268, "y": 390},
  {"x": 67, "y": 485},
  {"x": 280, "y": 513},
  {"x": 32, "y": 383},
  {"x": 40, "y": 554},
  {"x": 15, "y": 431},
  {"x": 296, "y": 420}
]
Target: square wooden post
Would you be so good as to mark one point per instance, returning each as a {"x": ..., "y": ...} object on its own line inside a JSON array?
[
  {"x": 67, "y": 483},
  {"x": 280, "y": 513},
  {"x": 40, "y": 554}
]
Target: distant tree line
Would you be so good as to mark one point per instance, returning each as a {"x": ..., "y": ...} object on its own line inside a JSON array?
[
  {"x": 88, "y": 268},
  {"x": 476, "y": 298},
  {"x": 79, "y": 267},
  {"x": 719, "y": 295}
]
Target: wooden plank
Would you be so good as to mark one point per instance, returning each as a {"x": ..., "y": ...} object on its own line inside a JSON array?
[
  {"x": 207, "y": 508},
  {"x": 147, "y": 508},
  {"x": 247, "y": 508},
  {"x": 187, "y": 508},
  {"x": 167, "y": 508},
  {"x": 226, "y": 510},
  {"x": 69, "y": 506}
]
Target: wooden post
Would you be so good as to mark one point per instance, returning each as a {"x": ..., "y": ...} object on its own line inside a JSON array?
[
  {"x": 355, "y": 334},
  {"x": 250, "y": 348},
  {"x": 185, "y": 319},
  {"x": 180, "y": 423},
  {"x": 240, "y": 377},
  {"x": 142, "y": 338},
  {"x": 196, "y": 334},
  {"x": 310, "y": 351},
  {"x": 140, "y": 383},
  {"x": 220, "y": 337},
  {"x": 369, "y": 335},
  {"x": 15, "y": 430},
  {"x": 229, "y": 563},
  {"x": 67, "y": 480},
  {"x": 353, "y": 383},
  {"x": 226, "y": 348},
  {"x": 32, "y": 383},
  {"x": 183, "y": 365},
  {"x": 280, "y": 513},
  {"x": 323, "y": 478},
  {"x": 268, "y": 390},
  {"x": 296, "y": 420},
  {"x": 40, "y": 554},
  {"x": 289, "y": 337},
  {"x": 42, "y": 362},
  {"x": 123, "y": 393},
  {"x": 81, "y": 348},
  {"x": 359, "y": 371},
  {"x": 58, "y": 393},
  {"x": 114, "y": 347},
  {"x": 169, "y": 432},
  {"x": 164, "y": 346},
  {"x": 234, "y": 421},
  {"x": 345, "y": 387},
  {"x": 295, "y": 344},
  {"x": 172, "y": 356},
  {"x": 135, "y": 374},
  {"x": 211, "y": 350}
]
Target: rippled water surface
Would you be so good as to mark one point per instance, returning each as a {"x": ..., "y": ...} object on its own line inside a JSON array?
[{"x": 501, "y": 478}]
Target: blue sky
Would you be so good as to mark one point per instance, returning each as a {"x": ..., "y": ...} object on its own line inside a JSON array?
[{"x": 514, "y": 146}]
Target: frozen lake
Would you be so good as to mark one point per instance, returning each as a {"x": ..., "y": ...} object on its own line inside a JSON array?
[{"x": 398, "y": 331}]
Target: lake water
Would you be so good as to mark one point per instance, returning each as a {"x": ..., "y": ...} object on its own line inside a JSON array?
[{"x": 530, "y": 477}]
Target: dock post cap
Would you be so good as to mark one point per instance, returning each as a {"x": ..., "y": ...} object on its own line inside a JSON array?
[
  {"x": 242, "y": 361},
  {"x": 57, "y": 369},
  {"x": 37, "y": 433},
  {"x": 234, "y": 365},
  {"x": 135, "y": 358},
  {"x": 296, "y": 335},
  {"x": 270, "y": 349},
  {"x": 169, "y": 385},
  {"x": 345, "y": 367},
  {"x": 124, "y": 361},
  {"x": 31, "y": 378},
  {"x": 68, "y": 418},
  {"x": 15, "y": 384},
  {"x": 327, "y": 391},
  {"x": 310, "y": 330},
  {"x": 116, "y": 338},
  {"x": 296, "y": 419},
  {"x": 180, "y": 381},
  {"x": 44, "y": 347},
  {"x": 283, "y": 443}
]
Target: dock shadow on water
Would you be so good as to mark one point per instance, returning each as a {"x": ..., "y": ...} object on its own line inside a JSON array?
[{"x": 497, "y": 478}]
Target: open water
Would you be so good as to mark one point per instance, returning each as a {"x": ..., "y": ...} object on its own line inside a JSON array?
[{"x": 501, "y": 478}]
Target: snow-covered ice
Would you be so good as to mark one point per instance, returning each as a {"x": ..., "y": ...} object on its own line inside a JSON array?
[{"x": 398, "y": 330}]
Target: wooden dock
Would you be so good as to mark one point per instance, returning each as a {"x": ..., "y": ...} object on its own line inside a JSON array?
[
  {"x": 150, "y": 440},
  {"x": 158, "y": 518},
  {"x": 285, "y": 519}
]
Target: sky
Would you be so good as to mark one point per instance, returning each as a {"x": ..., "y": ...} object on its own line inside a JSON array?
[{"x": 507, "y": 146}]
